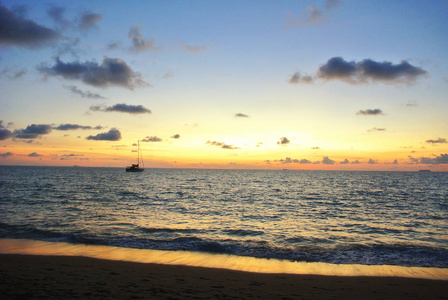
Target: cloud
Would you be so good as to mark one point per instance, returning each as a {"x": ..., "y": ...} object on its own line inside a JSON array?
[
  {"x": 75, "y": 127},
  {"x": 56, "y": 13},
  {"x": 4, "y": 133},
  {"x": 138, "y": 43},
  {"x": 362, "y": 72},
  {"x": 16, "y": 30},
  {"x": 240, "y": 115},
  {"x": 114, "y": 45},
  {"x": 88, "y": 20},
  {"x": 345, "y": 162},
  {"x": 176, "y": 136},
  {"x": 111, "y": 72},
  {"x": 70, "y": 156},
  {"x": 112, "y": 135},
  {"x": 13, "y": 72},
  {"x": 283, "y": 141},
  {"x": 125, "y": 108},
  {"x": 327, "y": 161},
  {"x": 315, "y": 148},
  {"x": 376, "y": 129},
  {"x": 6, "y": 154},
  {"x": 193, "y": 49},
  {"x": 152, "y": 139},
  {"x": 299, "y": 78},
  {"x": 370, "y": 112},
  {"x": 83, "y": 94},
  {"x": 368, "y": 70},
  {"x": 313, "y": 15},
  {"x": 441, "y": 159},
  {"x": 372, "y": 162},
  {"x": 168, "y": 75},
  {"x": 222, "y": 145},
  {"x": 356, "y": 162},
  {"x": 34, "y": 154},
  {"x": 32, "y": 131},
  {"x": 289, "y": 160},
  {"x": 332, "y": 4},
  {"x": 438, "y": 141}
]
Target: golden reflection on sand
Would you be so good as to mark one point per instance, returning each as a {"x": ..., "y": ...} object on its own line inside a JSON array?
[{"x": 220, "y": 261}]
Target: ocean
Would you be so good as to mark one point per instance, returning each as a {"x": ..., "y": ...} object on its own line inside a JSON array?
[{"x": 337, "y": 217}]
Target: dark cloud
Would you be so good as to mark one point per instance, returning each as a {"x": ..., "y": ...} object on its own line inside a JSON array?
[
  {"x": 139, "y": 44},
  {"x": 16, "y": 30},
  {"x": 34, "y": 154},
  {"x": 283, "y": 141},
  {"x": 74, "y": 127},
  {"x": 152, "y": 139},
  {"x": 441, "y": 159},
  {"x": 89, "y": 20},
  {"x": 299, "y": 78},
  {"x": 240, "y": 115},
  {"x": 222, "y": 145},
  {"x": 345, "y": 162},
  {"x": 32, "y": 131},
  {"x": 368, "y": 70},
  {"x": 231, "y": 147},
  {"x": 193, "y": 49},
  {"x": 176, "y": 136},
  {"x": 83, "y": 94},
  {"x": 111, "y": 72},
  {"x": 372, "y": 162},
  {"x": 437, "y": 141},
  {"x": 356, "y": 162},
  {"x": 112, "y": 135},
  {"x": 131, "y": 109},
  {"x": 315, "y": 148},
  {"x": 337, "y": 68},
  {"x": 370, "y": 112},
  {"x": 6, "y": 154},
  {"x": 327, "y": 161},
  {"x": 4, "y": 133}
]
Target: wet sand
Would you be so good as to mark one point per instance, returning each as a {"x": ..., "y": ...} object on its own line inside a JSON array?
[{"x": 74, "y": 277}]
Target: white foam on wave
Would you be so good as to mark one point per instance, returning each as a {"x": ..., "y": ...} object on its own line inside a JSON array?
[{"x": 220, "y": 261}]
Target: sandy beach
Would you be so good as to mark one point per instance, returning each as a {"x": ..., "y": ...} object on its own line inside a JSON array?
[{"x": 71, "y": 277}]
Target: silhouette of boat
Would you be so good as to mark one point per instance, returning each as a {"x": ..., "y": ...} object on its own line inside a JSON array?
[{"x": 136, "y": 167}]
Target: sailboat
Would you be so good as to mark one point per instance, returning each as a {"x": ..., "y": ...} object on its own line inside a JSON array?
[{"x": 136, "y": 167}]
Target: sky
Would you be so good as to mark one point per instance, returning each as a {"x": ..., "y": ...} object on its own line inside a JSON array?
[{"x": 320, "y": 85}]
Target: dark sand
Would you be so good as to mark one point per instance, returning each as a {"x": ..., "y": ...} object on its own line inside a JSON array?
[{"x": 68, "y": 277}]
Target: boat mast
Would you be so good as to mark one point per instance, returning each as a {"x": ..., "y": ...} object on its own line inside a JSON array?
[{"x": 139, "y": 155}]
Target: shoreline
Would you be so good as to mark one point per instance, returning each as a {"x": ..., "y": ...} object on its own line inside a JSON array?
[
  {"x": 215, "y": 261},
  {"x": 75, "y": 277}
]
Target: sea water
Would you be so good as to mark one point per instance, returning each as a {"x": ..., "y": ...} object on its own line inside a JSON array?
[{"x": 367, "y": 218}]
